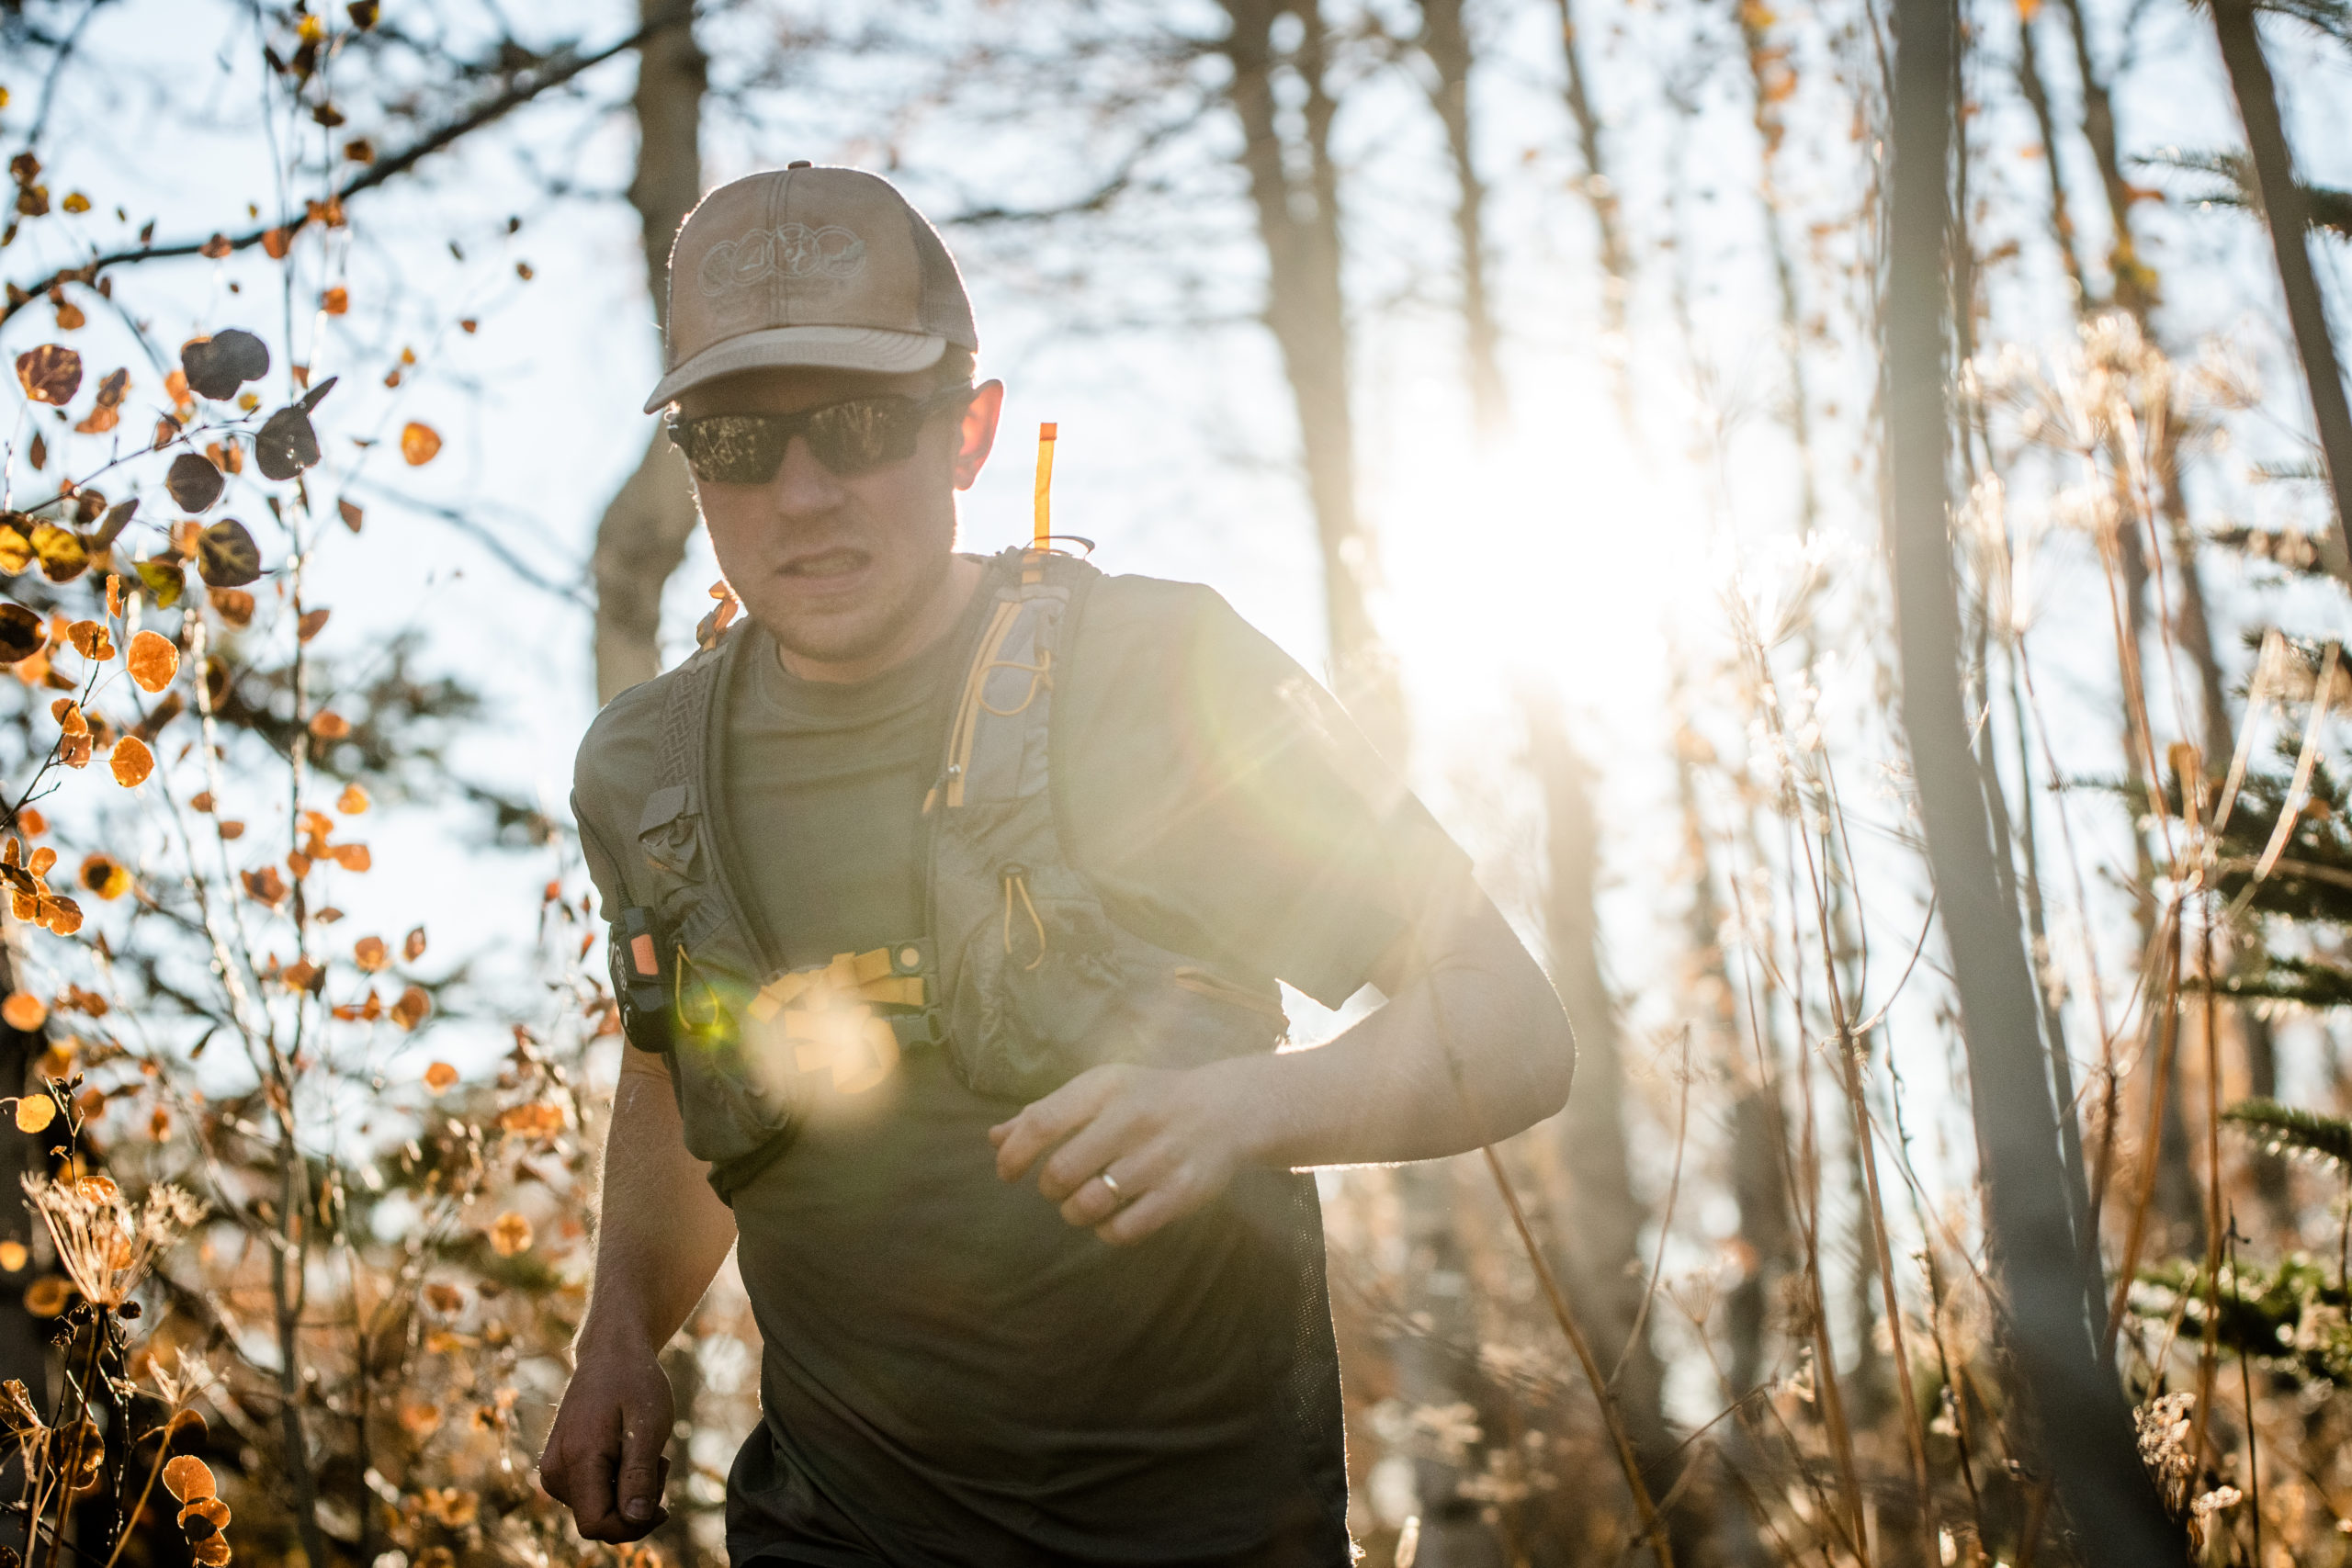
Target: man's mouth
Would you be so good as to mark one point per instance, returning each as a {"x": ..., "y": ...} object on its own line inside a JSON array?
[{"x": 844, "y": 561}]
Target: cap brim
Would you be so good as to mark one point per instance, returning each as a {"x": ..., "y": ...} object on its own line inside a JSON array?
[{"x": 813, "y": 347}]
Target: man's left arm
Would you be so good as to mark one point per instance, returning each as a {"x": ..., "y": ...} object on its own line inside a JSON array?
[{"x": 1470, "y": 1046}]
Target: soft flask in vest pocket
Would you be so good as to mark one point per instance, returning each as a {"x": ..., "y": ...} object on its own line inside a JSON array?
[{"x": 704, "y": 970}]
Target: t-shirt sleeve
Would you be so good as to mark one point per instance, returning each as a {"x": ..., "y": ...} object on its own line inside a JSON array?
[
  {"x": 615, "y": 766},
  {"x": 1222, "y": 803}
]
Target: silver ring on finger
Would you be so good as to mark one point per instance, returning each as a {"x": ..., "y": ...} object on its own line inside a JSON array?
[{"x": 1111, "y": 1185}]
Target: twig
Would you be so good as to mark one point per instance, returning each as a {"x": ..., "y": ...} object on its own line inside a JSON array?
[
  {"x": 1642, "y": 1506},
  {"x": 374, "y": 175}
]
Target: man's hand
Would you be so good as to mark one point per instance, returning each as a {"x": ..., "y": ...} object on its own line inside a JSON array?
[
  {"x": 1128, "y": 1149},
  {"x": 604, "y": 1456}
]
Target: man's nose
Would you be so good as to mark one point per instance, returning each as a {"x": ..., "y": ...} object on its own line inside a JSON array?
[{"x": 803, "y": 487}]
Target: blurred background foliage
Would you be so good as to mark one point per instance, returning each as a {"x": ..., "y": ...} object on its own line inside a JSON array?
[{"x": 1521, "y": 361}]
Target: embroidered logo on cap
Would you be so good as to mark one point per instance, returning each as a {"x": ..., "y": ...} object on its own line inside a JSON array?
[{"x": 789, "y": 250}]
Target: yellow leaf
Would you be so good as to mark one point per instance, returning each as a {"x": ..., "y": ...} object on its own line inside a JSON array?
[
  {"x": 14, "y": 1255},
  {"x": 35, "y": 1113},
  {"x": 419, "y": 442},
  {"x": 46, "y": 1298},
  {"x": 105, "y": 875}
]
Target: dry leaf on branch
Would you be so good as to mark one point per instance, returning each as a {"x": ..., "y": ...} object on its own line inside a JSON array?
[
  {"x": 131, "y": 761},
  {"x": 153, "y": 661},
  {"x": 219, "y": 365},
  {"x": 410, "y": 1011},
  {"x": 226, "y": 556},
  {"x": 50, "y": 374}
]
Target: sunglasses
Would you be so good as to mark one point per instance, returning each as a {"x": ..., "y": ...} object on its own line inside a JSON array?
[{"x": 850, "y": 437}]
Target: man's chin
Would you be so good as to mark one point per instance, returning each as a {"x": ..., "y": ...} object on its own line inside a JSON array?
[{"x": 846, "y": 634}]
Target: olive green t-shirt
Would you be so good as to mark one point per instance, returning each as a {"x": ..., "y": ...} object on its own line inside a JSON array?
[{"x": 952, "y": 1373}]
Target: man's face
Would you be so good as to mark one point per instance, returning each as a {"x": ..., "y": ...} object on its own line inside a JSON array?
[{"x": 836, "y": 567}]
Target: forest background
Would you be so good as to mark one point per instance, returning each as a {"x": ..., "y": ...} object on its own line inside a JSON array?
[{"x": 1585, "y": 385}]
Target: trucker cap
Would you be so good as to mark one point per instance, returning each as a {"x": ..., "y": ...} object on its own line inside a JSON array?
[{"x": 803, "y": 266}]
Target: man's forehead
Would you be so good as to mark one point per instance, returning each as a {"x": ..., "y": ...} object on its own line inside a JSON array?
[{"x": 786, "y": 390}]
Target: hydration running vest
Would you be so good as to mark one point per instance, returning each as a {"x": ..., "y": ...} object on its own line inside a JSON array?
[{"x": 1022, "y": 976}]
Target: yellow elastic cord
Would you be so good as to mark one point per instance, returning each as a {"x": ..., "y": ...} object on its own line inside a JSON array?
[
  {"x": 1015, "y": 880},
  {"x": 1040, "y": 676},
  {"x": 959, "y": 742}
]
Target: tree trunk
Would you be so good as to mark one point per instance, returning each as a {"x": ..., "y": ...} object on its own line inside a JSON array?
[
  {"x": 1607, "y": 1274},
  {"x": 1446, "y": 41},
  {"x": 24, "y": 1343},
  {"x": 1298, "y": 222},
  {"x": 2135, "y": 284},
  {"x": 1770, "y": 77},
  {"x": 2036, "y": 88},
  {"x": 1600, "y": 194},
  {"x": 2090, "y": 1446},
  {"x": 2287, "y": 211},
  {"x": 642, "y": 534}
]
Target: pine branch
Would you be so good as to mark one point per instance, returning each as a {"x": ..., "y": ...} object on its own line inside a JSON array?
[{"x": 2285, "y": 1129}]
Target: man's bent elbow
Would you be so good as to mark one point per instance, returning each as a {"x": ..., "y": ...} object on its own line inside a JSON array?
[
  {"x": 1543, "y": 1066},
  {"x": 1548, "y": 1064}
]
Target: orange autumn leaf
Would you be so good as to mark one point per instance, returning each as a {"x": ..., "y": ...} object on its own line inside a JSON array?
[
  {"x": 510, "y": 1234},
  {"x": 24, "y": 1012},
  {"x": 35, "y": 1113},
  {"x": 536, "y": 1120},
  {"x": 352, "y": 801},
  {"x": 187, "y": 1478},
  {"x": 131, "y": 761},
  {"x": 14, "y": 1255},
  {"x": 335, "y": 301},
  {"x": 419, "y": 443},
  {"x": 329, "y": 725},
  {"x": 370, "y": 954},
  {"x": 351, "y": 857},
  {"x": 413, "y": 948},
  {"x": 91, "y": 640},
  {"x": 46, "y": 1298},
  {"x": 440, "y": 1078},
  {"x": 153, "y": 661},
  {"x": 410, "y": 1011}
]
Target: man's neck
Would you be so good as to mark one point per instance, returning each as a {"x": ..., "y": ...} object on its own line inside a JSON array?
[{"x": 930, "y": 622}]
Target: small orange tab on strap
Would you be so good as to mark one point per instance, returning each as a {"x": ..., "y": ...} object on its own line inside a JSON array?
[{"x": 641, "y": 957}]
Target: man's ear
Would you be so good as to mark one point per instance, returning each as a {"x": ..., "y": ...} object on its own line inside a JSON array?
[{"x": 976, "y": 438}]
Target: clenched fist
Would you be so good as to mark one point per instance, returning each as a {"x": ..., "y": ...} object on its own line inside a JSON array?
[{"x": 604, "y": 1456}]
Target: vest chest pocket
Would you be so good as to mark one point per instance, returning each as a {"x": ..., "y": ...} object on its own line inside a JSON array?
[{"x": 1040, "y": 991}]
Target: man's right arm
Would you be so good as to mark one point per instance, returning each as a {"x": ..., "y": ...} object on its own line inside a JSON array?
[{"x": 661, "y": 1235}]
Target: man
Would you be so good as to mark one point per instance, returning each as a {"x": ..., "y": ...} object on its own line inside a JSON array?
[{"x": 949, "y": 896}]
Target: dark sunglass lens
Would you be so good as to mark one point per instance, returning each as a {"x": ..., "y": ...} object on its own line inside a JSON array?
[
  {"x": 866, "y": 433},
  {"x": 733, "y": 449}
]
